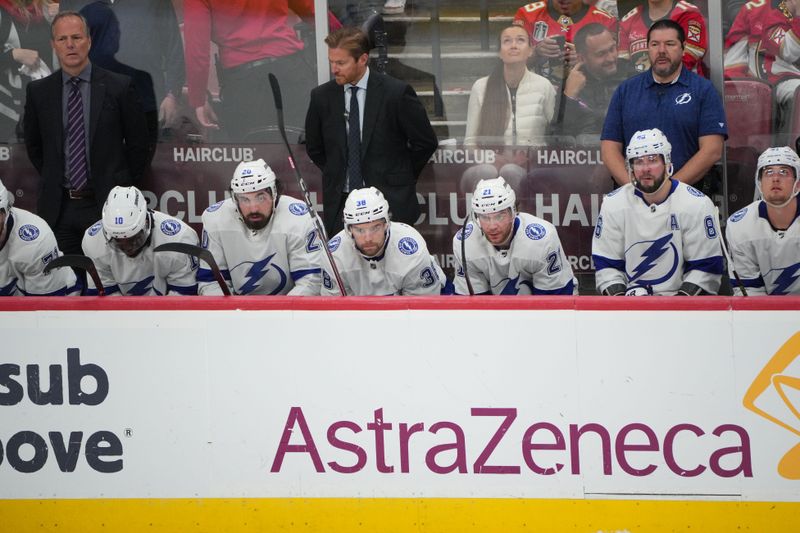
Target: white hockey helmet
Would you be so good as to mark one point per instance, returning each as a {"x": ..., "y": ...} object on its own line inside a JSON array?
[
  {"x": 126, "y": 222},
  {"x": 5, "y": 200},
  {"x": 492, "y": 196},
  {"x": 778, "y": 155},
  {"x": 365, "y": 205},
  {"x": 252, "y": 176},
  {"x": 649, "y": 142}
]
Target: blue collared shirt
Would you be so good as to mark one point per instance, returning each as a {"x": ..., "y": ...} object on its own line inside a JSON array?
[{"x": 684, "y": 110}]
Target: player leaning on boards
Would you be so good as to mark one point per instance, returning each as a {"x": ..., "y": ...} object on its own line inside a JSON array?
[
  {"x": 121, "y": 245},
  {"x": 378, "y": 257},
  {"x": 764, "y": 237},
  {"x": 27, "y": 245},
  {"x": 264, "y": 242},
  {"x": 656, "y": 235},
  {"x": 511, "y": 253}
]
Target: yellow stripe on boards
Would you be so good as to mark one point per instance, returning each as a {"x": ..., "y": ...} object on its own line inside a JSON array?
[{"x": 394, "y": 515}]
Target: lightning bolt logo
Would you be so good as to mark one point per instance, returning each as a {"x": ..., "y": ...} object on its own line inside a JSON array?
[
  {"x": 786, "y": 279},
  {"x": 257, "y": 271},
  {"x": 140, "y": 288},
  {"x": 652, "y": 257}
]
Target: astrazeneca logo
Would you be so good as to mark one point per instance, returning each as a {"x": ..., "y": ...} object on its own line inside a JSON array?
[{"x": 771, "y": 396}]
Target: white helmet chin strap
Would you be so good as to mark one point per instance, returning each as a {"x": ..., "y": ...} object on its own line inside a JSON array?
[{"x": 784, "y": 204}]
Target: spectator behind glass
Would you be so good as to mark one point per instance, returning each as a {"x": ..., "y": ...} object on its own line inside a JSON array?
[
  {"x": 592, "y": 82},
  {"x": 26, "y": 56},
  {"x": 634, "y": 25},
  {"x": 150, "y": 40},
  {"x": 763, "y": 43},
  {"x": 552, "y": 25},
  {"x": 512, "y": 105},
  {"x": 105, "y": 34}
]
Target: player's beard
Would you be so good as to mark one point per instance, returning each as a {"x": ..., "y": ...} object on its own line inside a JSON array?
[
  {"x": 657, "y": 183},
  {"x": 256, "y": 221},
  {"x": 665, "y": 71}
]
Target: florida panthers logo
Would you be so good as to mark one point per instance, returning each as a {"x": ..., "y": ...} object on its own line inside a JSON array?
[{"x": 653, "y": 262}]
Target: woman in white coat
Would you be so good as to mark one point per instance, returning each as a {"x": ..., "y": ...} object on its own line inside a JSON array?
[{"x": 511, "y": 106}]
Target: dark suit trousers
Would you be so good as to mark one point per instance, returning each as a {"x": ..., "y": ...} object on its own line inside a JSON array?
[{"x": 75, "y": 218}]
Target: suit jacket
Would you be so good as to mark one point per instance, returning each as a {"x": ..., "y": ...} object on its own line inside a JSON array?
[
  {"x": 118, "y": 143},
  {"x": 396, "y": 142}
]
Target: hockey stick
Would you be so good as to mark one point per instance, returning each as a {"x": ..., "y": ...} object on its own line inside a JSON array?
[
  {"x": 78, "y": 261},
  {"x": 276, "y": 94},
  {"x": 464, "y": 252},
  {"x": 200, "y": 253},
  {"x": 728, "y": 256}
]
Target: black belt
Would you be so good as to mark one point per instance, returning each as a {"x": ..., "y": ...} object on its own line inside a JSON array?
[
  {"x": 255, "y": 64},
  {"x": 79, "y": 194}
]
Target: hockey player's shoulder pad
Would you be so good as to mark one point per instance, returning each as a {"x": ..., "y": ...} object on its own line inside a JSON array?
[
  {"x": 536, "y": 231},
  {"x": 694, "y": 192},
  {"x": 214, "y": 207},
  {"x": 334, "y": 243},
  {"x": 170, "y": 227},
  {"x": 410, "y": 241},
  {"x": 464, "y": 232},
  {"x": 737, "y": 216},
  {"x": 298, "y": 208}
]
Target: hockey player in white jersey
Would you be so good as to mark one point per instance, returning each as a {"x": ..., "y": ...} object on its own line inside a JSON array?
[
  {"x": 122, "y": 244},
  {"x": 656, "y": 235},
  {"x": 263, "y": 242},
  {"x": 509, "y": 252},
  {"x": 378, "y": 257},
  {"x": 27, "y": 244},
  {"x": 764, "y": 237}
]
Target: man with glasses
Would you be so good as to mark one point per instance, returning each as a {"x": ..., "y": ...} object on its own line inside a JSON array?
[
  {"x": 509, "y": 252},
  {"x": 764, "y": 237},
  {"x": 656, "y": 235},
  {"x": 121, "y": 245},
  {"x": 262, "y": 241},
  {"x": 378, "y": 257}
]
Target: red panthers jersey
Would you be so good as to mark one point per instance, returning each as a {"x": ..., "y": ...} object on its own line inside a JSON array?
[
  {"x": 781, "y": 46},
  {"x": 762, "y": 43},
  {"x": 633, "y": 36},
  {"x": 541, "y": 20},
  {"x": 744, "y": 48}
]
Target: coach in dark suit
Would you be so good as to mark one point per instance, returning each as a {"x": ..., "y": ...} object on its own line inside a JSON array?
[
  {"x": 385, "y": 144},
  {"x": 85, "y": 133}
]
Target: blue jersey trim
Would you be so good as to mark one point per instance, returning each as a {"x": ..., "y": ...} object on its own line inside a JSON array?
[
  {"x": 569, "y": 288},
  {"x": 712, "y": 265},
  {"x": 752, "y": 283},
  {"x": 205, "y": 275},
  {"x": 108, "y": 290},
  {"x": 601, "y": 262},
  {"x": 186, "y": 291},
  {"x": 297, "y": 274}
]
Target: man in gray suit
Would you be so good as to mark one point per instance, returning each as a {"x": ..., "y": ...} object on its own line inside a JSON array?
[{"x": 366, "y": 129}]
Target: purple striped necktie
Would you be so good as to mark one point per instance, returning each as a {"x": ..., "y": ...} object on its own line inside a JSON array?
[{"x": 77, "y": 166}]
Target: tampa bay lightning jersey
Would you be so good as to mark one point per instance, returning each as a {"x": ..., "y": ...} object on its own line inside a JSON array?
[
  {"x": 534, "y": 263},
  {"x": 29, "y": 245},
  {"x": 150, "y": 273},
  {"x": 767, "y": 260},
  {"x": 405, "y": 267},
  {"x": 657, "y": 246},
  {"x": 282, "y": 258}
]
